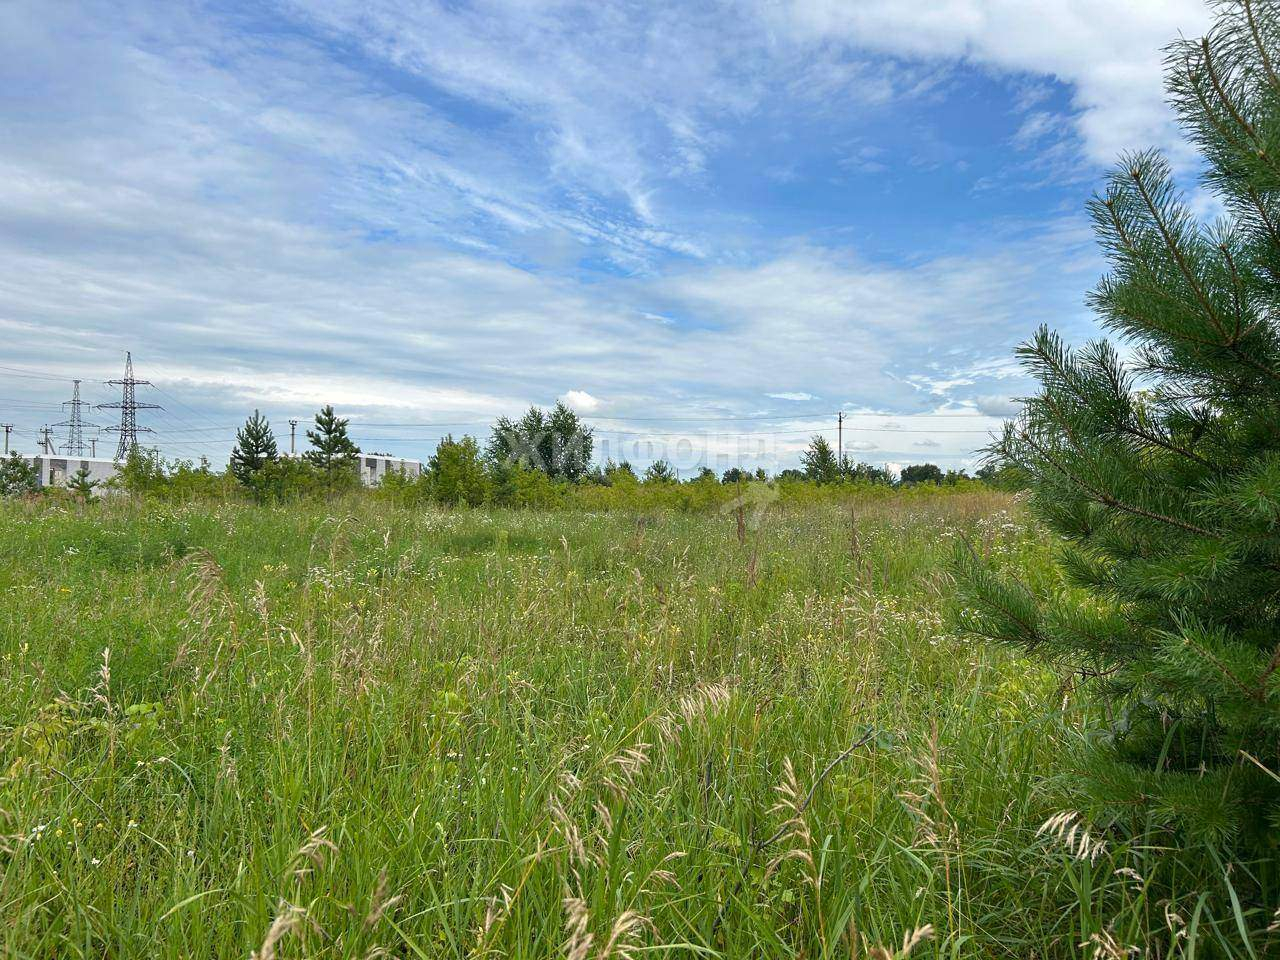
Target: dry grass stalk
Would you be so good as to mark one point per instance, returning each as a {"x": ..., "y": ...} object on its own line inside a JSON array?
[
  {"x": 288, "y": 917},
  {"x": 262, "y": 608},
  {"x": 624, "y": 935},
  {"x": 578, "y": 939},
  {"x": 624, "y": 768},
  {"x": 934, "y": 826},
  {"x": 692, "y": 709},
  {"x": 661, "y": 874},
  {"x": 102, "y": 691},
  {"x": 380, "y": 904},
  {"x": 1175, "y": 921},
  {"x": 311, "y": 855},
  {"x": 604, "y": 818},
  {"x": 209, "y": 607},
  {"x": 1070, "y": 831},
  {"x": 228, "y": 770},
  {"x": 704, "y": 698},
  {"x": 1107, "y": 947},
  {"x": 496, "y": 911},
  {"x": 909, "y": 942},
  {"x": 564, "y": 825}
]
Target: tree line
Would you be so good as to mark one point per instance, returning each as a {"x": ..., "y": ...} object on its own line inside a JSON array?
[
  {"x": 528, "y": 460},
  {"x": 525, "y": 456}
]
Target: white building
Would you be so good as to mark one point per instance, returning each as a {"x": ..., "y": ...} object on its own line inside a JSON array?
[
  {"x": 375, "y": 466},
  {"x": 58, "y": 471}
]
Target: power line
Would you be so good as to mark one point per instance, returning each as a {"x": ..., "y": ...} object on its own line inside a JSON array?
[
  {"x": 192, "y": 410},
  {"x": 32, "y": 374}
]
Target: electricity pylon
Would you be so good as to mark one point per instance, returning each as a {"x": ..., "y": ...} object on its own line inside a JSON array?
[
  {"x": 75, "y": 424},
  {"x": 128, "y": 407}
]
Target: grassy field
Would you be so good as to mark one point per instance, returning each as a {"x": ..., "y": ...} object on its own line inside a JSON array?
[{"x": 337, "y": 732}]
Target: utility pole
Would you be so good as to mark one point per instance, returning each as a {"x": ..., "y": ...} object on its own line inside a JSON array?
[
  {"x": 93, "y": 447},
  {"x": 74, "y": 446},
  {"x": 293, "y": 432},
  {"x": 128, "y": 407},
  {"x": 8, "y": 428},
  {"x": 840, "y": 439},
  {"x": 46, "y": 439}
]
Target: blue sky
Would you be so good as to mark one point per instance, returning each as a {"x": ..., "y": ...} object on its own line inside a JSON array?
[{"x": 708, "y": 226}]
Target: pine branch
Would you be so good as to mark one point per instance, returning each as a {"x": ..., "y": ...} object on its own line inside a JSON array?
[
  {"x": 1261, "y": 47},
  {"x": 1272, "y": 665},
  {"x": 1101, "y": 496},
  {"x": 1266, "y": 219},
  {"x": 1207, "y": 110},
  {"x": 1173, "y": 248},
  {"x": 1222, "y": 94},
  {"x": 1196, "y": 288}
]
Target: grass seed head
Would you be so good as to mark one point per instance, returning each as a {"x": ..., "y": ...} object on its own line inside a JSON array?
[
  {"x": 288, "y": 917},
  {"x": 311, "y": 855},
  {"x": 578, "y": 939},
  {"x": 1070, "y": 831}
]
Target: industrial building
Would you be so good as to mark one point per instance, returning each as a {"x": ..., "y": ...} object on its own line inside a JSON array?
[
  {"x": 58, "y": 471},
  {"x": 375, "y": 466}
]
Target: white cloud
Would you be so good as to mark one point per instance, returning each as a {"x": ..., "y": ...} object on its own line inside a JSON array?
[
  {"x": 581, "y": 401},
  {"x": 996, "y": 405},
  {"x": 281, "y": 319},
  {"x": 624, "y": 100},
  {"x": 797, "y": 396},
  {"x": 1109, "y": 52}
]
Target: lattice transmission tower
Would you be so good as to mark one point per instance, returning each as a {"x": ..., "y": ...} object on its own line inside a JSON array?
[
  {"x": 128, "y": 406},
  {"x": 75, "y": 424}
]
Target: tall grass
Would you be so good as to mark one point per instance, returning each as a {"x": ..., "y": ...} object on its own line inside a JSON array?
[{"x": 231, "y": 731}]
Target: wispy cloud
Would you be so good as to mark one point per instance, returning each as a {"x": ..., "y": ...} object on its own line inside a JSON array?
[
  {"x": 1110, "y": 53},
  {"x": 443, "y": 212}
]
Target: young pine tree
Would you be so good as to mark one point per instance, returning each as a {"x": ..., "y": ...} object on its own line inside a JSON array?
[
  {"x": 81, "y": 486},
  {"x": 333, "y": 451},
  {"x": 1161, "y": 471},
  {"x": 255, "y": 448},
  {"x": 660, "y": 472}
]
